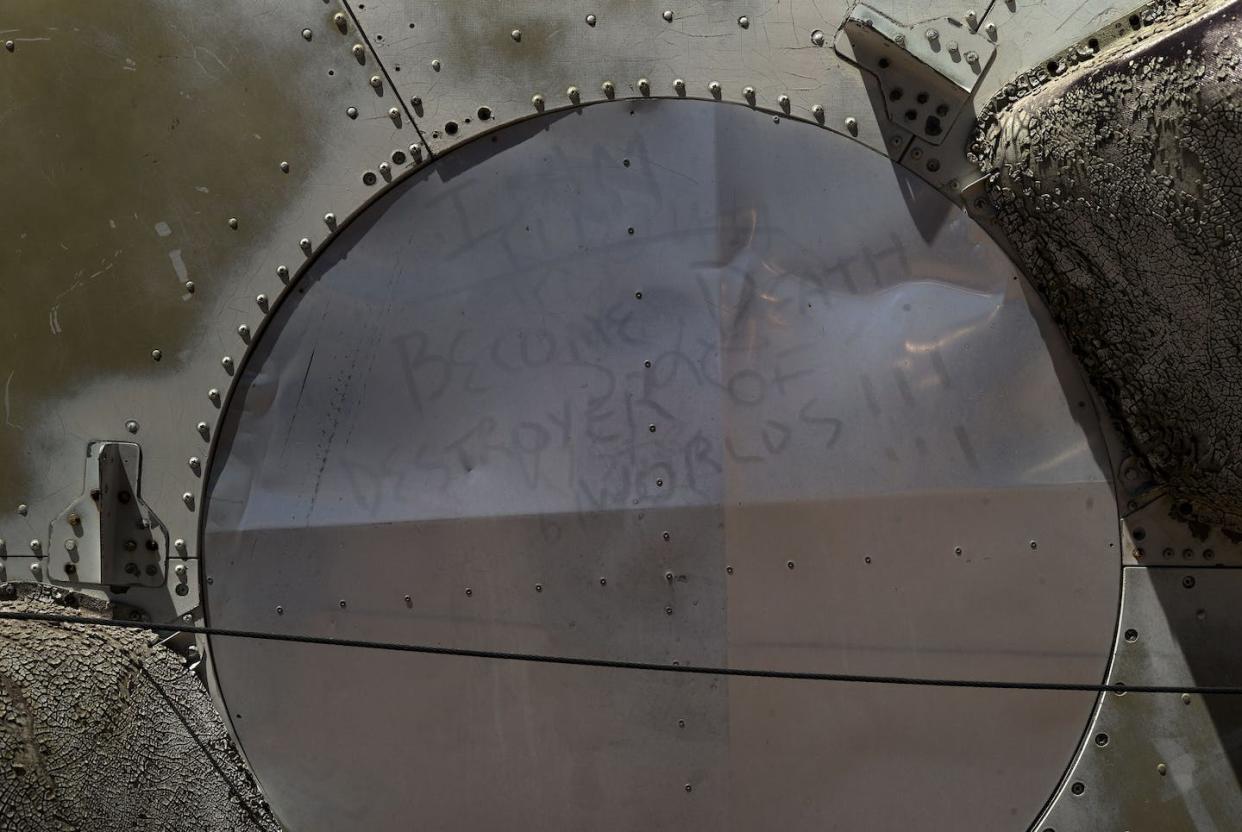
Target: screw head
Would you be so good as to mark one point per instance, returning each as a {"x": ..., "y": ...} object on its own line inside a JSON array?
[
  {"x": 932, "y": 35},
  {"x": 71, "y": 545},
  {"x": 679, "y": 85},
  {"x": 394, "y": 113},
  {"x": 972, "y": 57}
]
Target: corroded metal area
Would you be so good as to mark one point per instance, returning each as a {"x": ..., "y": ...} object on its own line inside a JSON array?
[
  {"x": 159, "y": 172},
  {"x": 610, "y": 383}
]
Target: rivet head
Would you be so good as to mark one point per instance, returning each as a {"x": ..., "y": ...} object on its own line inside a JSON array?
[
  {"x": 188, "y": 499},
  {"x": 818, "y": 112},
  {"x": 668, "y": 15},
  {"x": 227, "y": 363},
  {"x": 203, "y": 429},
  {"x": 261, "y": 300},
  {"x": 329, "y": 219},
  {"x": 537, "y": 101},
  {"x": 156, "y": 355},
  {"x": 36, "y": 546},
  {"x": 195, "y": 464},
  {"x": 851, "y": 124},
  {"x": 783, "y": 100},
  {"x": 608, "y": 89},
  {"x": 131, "y": 426},
  {"x": 23, "y": 509},
  {"x": 179, "y": 545},
  {"x": 679, "y": 85},
  {"x": 749, "y": 93},
  {"x": 744, "y": 22},
  {"x": 352, "y": 112},
  {"x": 189, "y": 286},
  {"x": 932, "y": 35},
  {"x": 516, "y": 34},
  {"x": 307, "y": 34},
  {"x": 900, "y": 40},
  {"x": 416, "y": 151},
  {"x": 71, "y": 545},
  {"x": 340, "y": 21},
  {"x": 384, "y": 168},
  {"x": 376, "y": 81},
  {"x": 10, "y": 45},
  {"x": 304, "y": 244},
  {"x": 36, "y": 568},
  {"x": 972, "y": 57},
  {"x": 244, "y": 332},
  {"x": 644, "y": 86},
  {"x": 590, "y": 20},
  {"x": 573, "y": 94},
  {"x": 817, "y": 37},
  {"x": 972, "y": 19},
  {"x": 359, "y": 51},
  {"x": 991, "y": 30},
  {"x": 283, "y": 273},
  {"x": 714, "y": 88},
  {"x": 179, "y": 569},
  {"x": 394, "y": 113},
  {"x": 233, "y": 223},
  {"x": 435, "y": 65},
  {"x": 284, "y": 167},
  {"x": 1162, "y": 769}
]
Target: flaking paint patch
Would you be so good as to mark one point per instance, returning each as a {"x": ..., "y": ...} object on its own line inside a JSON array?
[{"x": 1116, "y": 187}]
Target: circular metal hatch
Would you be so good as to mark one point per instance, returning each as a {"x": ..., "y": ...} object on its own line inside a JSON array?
[{"x": 660, "y": 381}]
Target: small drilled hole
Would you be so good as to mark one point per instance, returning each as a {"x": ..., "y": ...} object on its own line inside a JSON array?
[
  {"x": 1131, "y": 635},
  {"x": 921, "y": 98},
  {"x": 450, "y": 127},
  {"x": 398, "y": 157},
  {"x": 484, "y": 113},
  {"x": 1135, "y": 21},
  {"x": 1093, "y": 45},
  {"x": 1078, "y": 788},
  {"x": 883, "y": 63},
  {"x": 911, "y": 115},
  {"x": 1101, "y": 740},
  {"x": 896, "y": 94}
]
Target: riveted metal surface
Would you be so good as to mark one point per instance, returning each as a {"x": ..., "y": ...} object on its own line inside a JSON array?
[
  {"x": 1164, "y": 761},
  {"x": 661, "y": 381},
  {"x": 158, "y": 173},
  {"x": 464, "y": 72}
]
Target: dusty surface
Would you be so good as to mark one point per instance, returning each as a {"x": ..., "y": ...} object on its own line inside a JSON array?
[
  {"x": 1115, "y": 177},
  {"x": 100, "y": 730}
]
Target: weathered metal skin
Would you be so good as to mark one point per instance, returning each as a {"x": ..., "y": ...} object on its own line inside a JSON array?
[
  {"x": 173, "y": 169},
  {"x": 1114, "y": 181}
]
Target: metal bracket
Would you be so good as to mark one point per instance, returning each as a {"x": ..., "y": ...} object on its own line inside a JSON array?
[
  {"x": 927, "y": 71},
  {"x": 109, "y": 536}
]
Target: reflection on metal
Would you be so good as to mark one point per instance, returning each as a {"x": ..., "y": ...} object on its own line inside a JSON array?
[
  {"x": 109, "y": 535},
  {"x": 1164, "y": 762},
  {"x": 612, "y": 385}
]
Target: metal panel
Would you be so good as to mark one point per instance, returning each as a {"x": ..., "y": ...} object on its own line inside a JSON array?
[
  {"x": 615, "y": 384},
  {"x": 158, "y": 173},
  {"x": 470, "y": 65},
  {"x": 1164, "y": 761}
]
